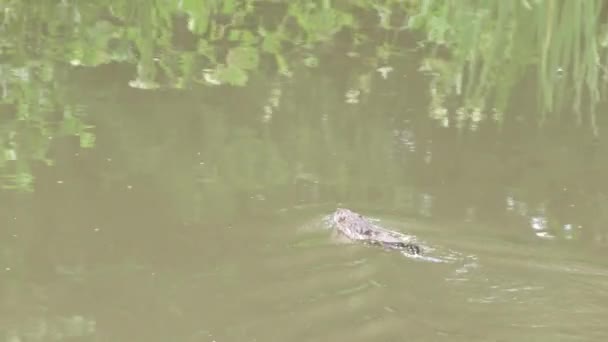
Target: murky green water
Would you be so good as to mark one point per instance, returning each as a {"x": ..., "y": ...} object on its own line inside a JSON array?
[{"x": 200, "y": 213}]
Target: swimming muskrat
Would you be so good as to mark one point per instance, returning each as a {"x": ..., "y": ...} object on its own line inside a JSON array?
[{"x": 358, "y": 228}]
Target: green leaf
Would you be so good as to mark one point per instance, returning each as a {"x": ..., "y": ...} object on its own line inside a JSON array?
[
  {"x": 271, "y": 43},
  {"x": 87, "y": 140},
  {"x": 232, "y": 75},
  {"x": 243, "y": 57}
]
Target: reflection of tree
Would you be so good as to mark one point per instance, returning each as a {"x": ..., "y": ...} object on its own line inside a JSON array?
[
  {"x": 34, "y": 114},
  {"x": 493, "y": 46},
  {"x": 306, "y": 126},
  {"x": 264, "y": 150},
  {"x": 483, "y": 52}
]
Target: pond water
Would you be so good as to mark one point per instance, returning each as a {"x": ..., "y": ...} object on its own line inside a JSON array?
[{"x": 200, "y": 214}]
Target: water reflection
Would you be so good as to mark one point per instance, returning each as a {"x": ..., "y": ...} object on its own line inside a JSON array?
[
  {"x": 193, "y": 210},
  {"x": 167, "y": 209}
]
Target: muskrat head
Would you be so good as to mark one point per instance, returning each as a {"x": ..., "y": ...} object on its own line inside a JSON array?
[{"x": 341, "y": 215}]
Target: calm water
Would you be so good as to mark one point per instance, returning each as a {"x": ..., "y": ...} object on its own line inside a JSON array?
[{"x": 200, "y": 215}]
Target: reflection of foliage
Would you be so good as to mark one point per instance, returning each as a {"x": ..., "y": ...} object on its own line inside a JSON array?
[
  {"x": 493, "y": 44},
  {"x": 297, "y": 143},
  {"x": 219, "y": 42},
  {"x": 180, "y": 42},
  {"x": 30, "y": 123},
  {"x": 482, "y": 50},
  {"x": 319, "y": 22}
]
